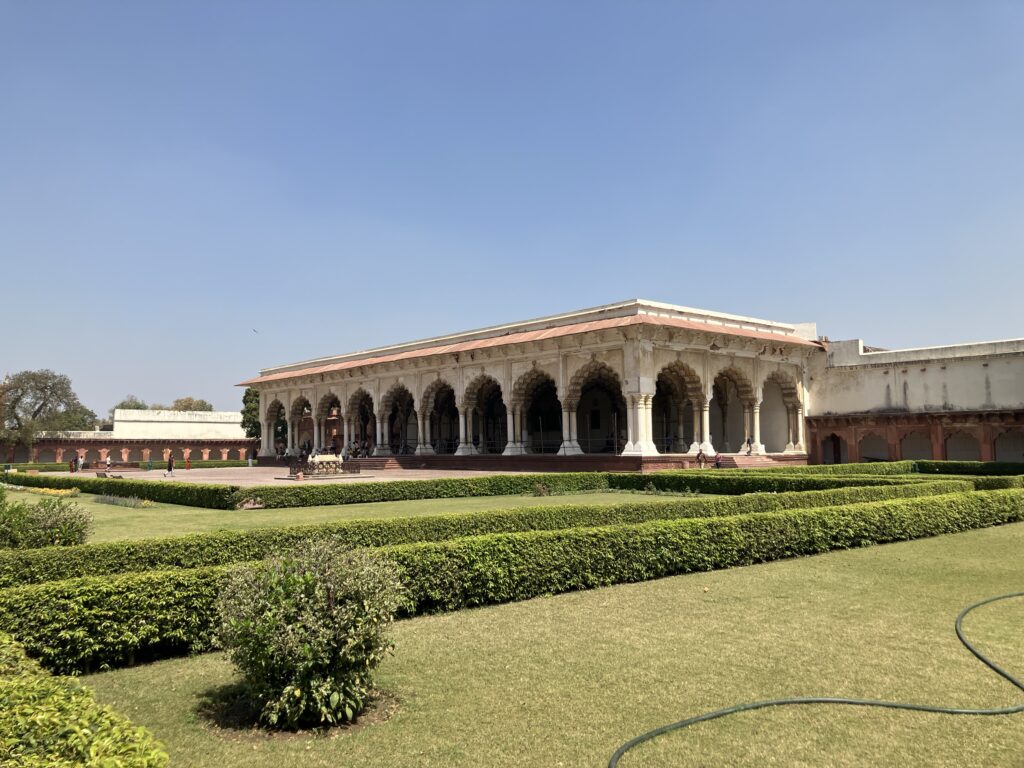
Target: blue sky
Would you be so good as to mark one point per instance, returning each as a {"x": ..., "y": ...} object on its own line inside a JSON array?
[{"x": 344, "y": 175}]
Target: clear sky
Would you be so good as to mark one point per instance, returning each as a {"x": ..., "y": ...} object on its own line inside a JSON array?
[{"x": 339, "y": 175}]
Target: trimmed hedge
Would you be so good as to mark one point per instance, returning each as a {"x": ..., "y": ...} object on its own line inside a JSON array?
[
  {"x": 969, "y": 467},
  {"x": 121, "y": 619},
  {"x": 861, "y": 468},
  {"x": 54, "y": 721},
  {"x": 273, "y": 497},
  {"x": 189, "y": 494},
  {"x": 906, "y": 466},
  {"x": 732, "y": 483},
  {"x": 222, "y": 547},
  {"x": 443, "y": 576}
]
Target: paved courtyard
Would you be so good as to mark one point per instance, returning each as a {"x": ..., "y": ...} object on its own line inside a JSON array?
[{"x": 245, "y": 476}]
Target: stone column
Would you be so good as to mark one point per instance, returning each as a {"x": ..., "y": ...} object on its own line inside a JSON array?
[
  {"x": 466, "y": 447},
  {"x": 790, "y": 432},
  {"x": 800, "y": 429},
  {"x": 747, "y": 429},
  {"x": 705, "y": 428},
  {"x": 291, "y": 434},
  {"x": 481, "y": 430},
  {"x": 565, "y": 448},
  {"x": 569, "y": 446},
  {"x": 346, "y": 432},
  {"x": 986, "y": 443},
  {"x": 423, "y": 447},
  {"x": 631, "y": 448},
  {"x": 647, "y": 425},
  {"x": 513, "y": 447},
  {"x": 695, "y": 443},
  {"x": 755, "y": 418},
  {"x": 383, "y": 436},
  {"x": 679, "y": 445}
]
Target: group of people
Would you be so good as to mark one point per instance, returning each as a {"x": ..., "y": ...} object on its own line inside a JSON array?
[{"x": 702, "y": 460}]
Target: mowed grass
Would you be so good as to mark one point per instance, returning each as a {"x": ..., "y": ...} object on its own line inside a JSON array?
[
  {"x": 563, "y": 681},
  {"x": 118, "y": 523}
]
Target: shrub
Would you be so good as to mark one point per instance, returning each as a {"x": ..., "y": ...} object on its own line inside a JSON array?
[
  {"x": 224, "y": 547},
  {"x": 132, "y": 502},
  {"x": 51, "y": 522},
  {"x": 78, "y": 624},
  {"x": 53, "y": 721},
  {"x": 307, "y": 630}
]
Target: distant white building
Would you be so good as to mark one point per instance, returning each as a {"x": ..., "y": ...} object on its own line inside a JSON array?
[{"x": 144, "y": 435}]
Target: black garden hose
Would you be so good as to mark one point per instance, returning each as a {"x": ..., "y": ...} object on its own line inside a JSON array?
[{"x": 613, "y": 763}]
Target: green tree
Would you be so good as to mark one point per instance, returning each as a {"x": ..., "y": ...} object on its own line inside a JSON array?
[
  {"x": 129, "y": 403},
  {"x": 190, "y": 404},
  {"x": 36, "y": 401},
  {"x": 251, "y": 413}
]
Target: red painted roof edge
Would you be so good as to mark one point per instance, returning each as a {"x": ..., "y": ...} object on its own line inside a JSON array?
[{"x": 525, "y": 336}]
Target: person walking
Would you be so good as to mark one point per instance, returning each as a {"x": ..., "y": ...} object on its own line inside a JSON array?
[
  {"x": 702, "y": 460},
  {"x": 718, "y": 461},
  {"x": 170, "y": 465},
  {"x": 71, "y": 465},
  {"x": 188, "y": 463},
  {"x": 108, "y": 462}
]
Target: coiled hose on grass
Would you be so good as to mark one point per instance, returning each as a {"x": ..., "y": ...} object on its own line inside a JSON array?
[{"x": 613, "y": 763}]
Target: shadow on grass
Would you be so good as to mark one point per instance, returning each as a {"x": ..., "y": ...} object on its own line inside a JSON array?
[{"x": 228, "y": 708}]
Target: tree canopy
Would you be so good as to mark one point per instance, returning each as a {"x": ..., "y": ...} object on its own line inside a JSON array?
[
  {"x": 191, "y": 404},
  {"x": 129, "y": 403},
  {"x": 251, "y": 412},
  {"x": 37, "y": 401}
]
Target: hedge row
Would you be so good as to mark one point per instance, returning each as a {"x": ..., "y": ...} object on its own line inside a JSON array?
[
  {"x": 221, "y": 547},
  {"x": 505, "y": 485},
  {"x": 901, "y": 468},
  {"x": 862, "y": 468},
  {"x": 80, "y": 624},
  {"x": 970, "y": 467},
  {"x": 444, "y": 576},
  {"x": 189, "y": 494},
  {"x": 231, "y": 497},
  {"x": 54, "y": 721}
]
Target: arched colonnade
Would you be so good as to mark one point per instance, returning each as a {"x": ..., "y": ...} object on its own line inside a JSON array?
[{"x": 591, "y": 414}]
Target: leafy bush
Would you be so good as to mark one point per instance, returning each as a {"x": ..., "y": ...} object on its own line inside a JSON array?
[
  {"x": 224, "y": 547},
  {"x": 53, "y": 721},
  {"x": 51, "y": 522},
  {"x": 307, "y": 630},
  {"x": 79, "y": 624}
]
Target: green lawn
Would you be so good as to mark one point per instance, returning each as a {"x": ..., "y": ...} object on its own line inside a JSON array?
[
  {"x": 116, "y": 523},
  {"x": 563, "y": 681}
]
